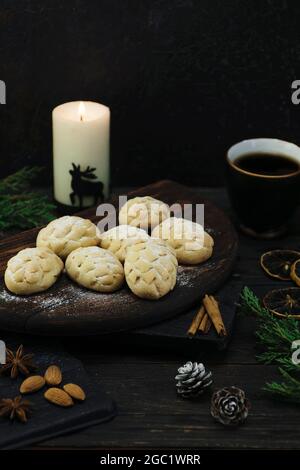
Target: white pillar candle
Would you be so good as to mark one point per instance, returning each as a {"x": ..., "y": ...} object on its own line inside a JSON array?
[{"x": 81, "y": 153}]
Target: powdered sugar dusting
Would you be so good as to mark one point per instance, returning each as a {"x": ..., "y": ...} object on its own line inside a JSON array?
[
  {"x": 186, "y": 275},
  {"x": 67, "y": 295},
  {"x": 41, "y": 301}
]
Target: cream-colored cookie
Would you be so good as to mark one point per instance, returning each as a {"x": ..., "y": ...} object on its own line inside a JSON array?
[
  {"x": 118, "y": 239},
  {"x": 143, "y": 212},
  {"x": 66, "y": 234},
  {"x": 32, "y": 270},
  {"x": 95, "y": 268},
  {"x": 150, "y": 269},
  {"x": 192, "y": 244}
]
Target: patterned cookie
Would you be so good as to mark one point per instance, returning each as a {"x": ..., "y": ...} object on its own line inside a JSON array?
[
  {"x": 150, "y": 269},
  {"x": 192, "y": 244},
  {"x": 118, "y": 239},
  {"x": 66, "y": 234},
  {"x": 32, "y": 270},
  {"x": 143, "y": 212},
  {"x": 95, "y": 268}
]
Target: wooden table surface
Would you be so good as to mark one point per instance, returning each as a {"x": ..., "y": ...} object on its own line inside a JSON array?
[{"x": 142, "y": 381}]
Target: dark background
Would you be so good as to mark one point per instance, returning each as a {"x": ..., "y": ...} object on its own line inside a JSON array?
[{"x": 184, "y": 79}]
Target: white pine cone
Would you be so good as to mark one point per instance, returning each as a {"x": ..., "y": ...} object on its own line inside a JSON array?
[{"x": 192, "y": 380}]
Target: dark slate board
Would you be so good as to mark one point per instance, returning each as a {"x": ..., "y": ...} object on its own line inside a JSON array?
[
  {"x": 48, "y": 420},
  {"x": 172, "y": 334},
  {"x": 67, "y": 309}
]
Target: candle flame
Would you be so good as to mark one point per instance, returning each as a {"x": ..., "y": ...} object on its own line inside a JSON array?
[{"x": 81, "y": 110}]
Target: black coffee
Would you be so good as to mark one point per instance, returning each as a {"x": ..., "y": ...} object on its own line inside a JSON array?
[{"x": 267, "y": 164}]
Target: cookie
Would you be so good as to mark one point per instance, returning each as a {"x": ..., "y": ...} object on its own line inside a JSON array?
[
  {"x": 66, "y": 234},
  {"x": 191, "y": 243},
  {"x": 32, "y": 270},
  {"x": 143, "y": 212},
  {"x": 150, "y": 269},
  {"x": 118, "y": 239},
  {"x": 95, "y": 269}
]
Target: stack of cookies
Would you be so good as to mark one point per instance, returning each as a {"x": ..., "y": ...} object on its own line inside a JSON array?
[{"x": 144, "y": 250}]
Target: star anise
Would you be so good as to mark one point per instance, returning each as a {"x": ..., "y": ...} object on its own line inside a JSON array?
[
  {"x": 18, "y": 362},
  {"x": 15, "y": 408}
]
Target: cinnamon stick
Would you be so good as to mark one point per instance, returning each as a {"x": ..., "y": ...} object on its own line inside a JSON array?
[
  {"x": 213, "y": 310},
  {"x": 202, "y": 325},
  {"x": 196, "y": 322},
  {"x": 208, "y": 325},
  {"x": 205, "y": 324}
]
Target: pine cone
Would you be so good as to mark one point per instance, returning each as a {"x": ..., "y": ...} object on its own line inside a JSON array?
[
  {"x": 192, "y": 380},
  {"x": 229, "y": 406}
]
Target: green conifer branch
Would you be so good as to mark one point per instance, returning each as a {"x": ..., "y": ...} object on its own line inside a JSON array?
[
  {"x": 276, "y": 335},
  {"x": 20, "y": 206},
  {"x": 18, "y": 182},
  {"x": 288, "y": 390}
]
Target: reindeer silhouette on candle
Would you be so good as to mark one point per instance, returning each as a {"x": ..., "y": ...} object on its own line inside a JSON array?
[{"x": 81, "y": 185}]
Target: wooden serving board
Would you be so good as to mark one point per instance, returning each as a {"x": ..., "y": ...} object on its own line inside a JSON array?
[{"x": 66, "y": 309}]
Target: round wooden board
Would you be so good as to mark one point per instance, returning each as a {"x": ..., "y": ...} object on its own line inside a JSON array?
[{"x": 69, "y": 310}]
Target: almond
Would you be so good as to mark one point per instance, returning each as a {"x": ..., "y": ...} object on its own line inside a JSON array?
[
  {"x": 74, "y": 391},
  {"x": 53, "y": 375},
  {"x": 32, "y": 384},
  {"x": 58, "y": 397}
]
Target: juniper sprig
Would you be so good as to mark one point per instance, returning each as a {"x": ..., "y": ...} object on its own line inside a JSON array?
[
  {"x": 276, "y": 335},
  {"x": 20, "y": 206}
]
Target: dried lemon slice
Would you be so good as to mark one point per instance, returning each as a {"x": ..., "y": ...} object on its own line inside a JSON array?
[
  {"x": 283, "y": 302},
  {"x": 295, "y": 272},
  {"x": 277, "y": 263}
]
